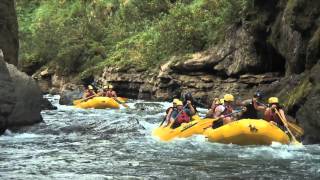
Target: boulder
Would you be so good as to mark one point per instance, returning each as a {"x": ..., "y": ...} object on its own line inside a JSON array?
[
  {"x": 68, "y": 96},
  {"x": 7, "y": 98},
  {"x": 28, "y": 99}
]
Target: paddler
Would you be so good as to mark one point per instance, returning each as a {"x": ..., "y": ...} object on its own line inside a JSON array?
[
  {"x": 271, "y": 115},
  {"x": 188, "y": 99},
  {"x": 215, "y": 103},
  {"x": 181, "y": 114},
  {"x": 252, "y": 107},
  {"x": 171, "y": 109},
  {"x": 224, "y": 110},
  {"x": 110, "y": 92},
  {"x": 89, "y": 92}
]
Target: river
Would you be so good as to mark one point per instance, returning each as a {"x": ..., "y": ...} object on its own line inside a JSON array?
[{"x": 117, "y": 144}]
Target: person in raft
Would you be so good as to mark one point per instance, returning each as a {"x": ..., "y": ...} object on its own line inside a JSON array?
[
  {"x": 110, "y": 92},
  {"x": 224, "y": 110},
  {"x": 215, "y": 103},
  {"x": 171, "y": 109},
  {"x": 89, "y": 92},
  {"x": 251, "y": 107},
  {"x": 270, "y": 114},
  {"x": 181, "y": 114},
  {"x": 189, "y": 99}
]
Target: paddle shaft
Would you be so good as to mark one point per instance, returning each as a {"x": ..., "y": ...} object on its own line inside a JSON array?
[
  {"x": 118, "y": 101},
  {"x": 286, "y": 125},
  {"x": 88, "y": 98}
]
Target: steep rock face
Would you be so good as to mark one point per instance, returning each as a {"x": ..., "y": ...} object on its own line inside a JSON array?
[
  {"x": 295, "y": 34},
  {"x": 28, "y": 99},
  {"x": 7, "y": 98},
  {"x": 9, "y": 41},
  {"x": 309, "y": 113}
]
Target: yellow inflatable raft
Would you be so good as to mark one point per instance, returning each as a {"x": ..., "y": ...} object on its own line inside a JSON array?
[
  {"x": 196, "y": 126},
  {"x": 100, "y": 103},
  {"x": 247, "y": 132}
]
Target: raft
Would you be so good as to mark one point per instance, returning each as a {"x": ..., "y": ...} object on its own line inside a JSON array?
[
  {"x": 100, "y": 103},
  {"x": 247, "y": 132},
  {"x": 196, "y": 126}
]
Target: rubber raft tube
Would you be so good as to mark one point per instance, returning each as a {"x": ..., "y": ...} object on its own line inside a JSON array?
[
  {"x": 196, "y": 126},
  {"x": 247, "y": 132},
  {"x": 101, "y": 103}
]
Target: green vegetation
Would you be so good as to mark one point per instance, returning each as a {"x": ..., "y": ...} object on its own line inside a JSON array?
[{"x": 81, "y": 37}]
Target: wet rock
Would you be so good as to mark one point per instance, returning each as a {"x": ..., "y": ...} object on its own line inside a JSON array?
[
  {"x": 68, "y": 96},
  {"x": 309, "y": 113},
  {"x": 46, "y": 105},
  {"x": 7, "y": 98},
  {"x": 28, "y": 99}
]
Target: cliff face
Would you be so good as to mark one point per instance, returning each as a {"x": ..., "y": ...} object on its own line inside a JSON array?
[
  {"x": 9, "y": 41},
  {"x": 20, "y": 95},
  {"x": 276, "y": 48}
]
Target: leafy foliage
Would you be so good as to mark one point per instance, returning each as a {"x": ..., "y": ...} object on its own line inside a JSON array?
[{"x": 81, "y": 37}]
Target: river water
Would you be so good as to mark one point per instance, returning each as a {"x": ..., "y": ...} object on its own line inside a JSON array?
[{"x": 117, "y": 144}]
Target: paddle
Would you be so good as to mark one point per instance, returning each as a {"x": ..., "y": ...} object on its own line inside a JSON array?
[
  {"x": 293, "y": 140},
  {"x": 297, "y": 129},
  {"x": 122, "y": 103},
  {"x": 75, "y": 102}
]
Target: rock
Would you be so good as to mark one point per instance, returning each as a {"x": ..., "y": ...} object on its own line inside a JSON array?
[
  {"x": 46, "y": 105},
  {"x": 28, "y": 99},
  {"x": 9, "y": 41},
  {"x": 309, "y": 113},
  {"x": 68, "y": 96},
  {"x": 7, "y": 98}
]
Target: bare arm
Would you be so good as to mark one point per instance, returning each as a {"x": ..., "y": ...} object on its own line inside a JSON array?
[{"x": 192, "y": 111}]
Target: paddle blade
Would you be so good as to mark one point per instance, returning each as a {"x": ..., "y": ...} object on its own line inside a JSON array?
[
  {"x": 296, "y": 130},
  {"x": 296, "y": 143},
  {"x": 75, "y": 102}
]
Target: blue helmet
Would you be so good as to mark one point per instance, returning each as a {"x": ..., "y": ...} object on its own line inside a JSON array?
[{"x": 258, "y": 94}]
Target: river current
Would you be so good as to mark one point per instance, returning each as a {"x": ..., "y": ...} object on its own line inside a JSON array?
[{"x": 117, "y": 144}]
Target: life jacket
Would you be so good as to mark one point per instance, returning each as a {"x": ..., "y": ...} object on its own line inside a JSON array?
[
  {"x": 251, "y": 112},
  {"x": 89, "y": 93},
  {"x": 228, "y": 110},
  {"x": 272, "y": 116},
  {"x": 214, "y": 106},
  {"x": 109, "y": 94},
  {"x": 183, "y": 117}
]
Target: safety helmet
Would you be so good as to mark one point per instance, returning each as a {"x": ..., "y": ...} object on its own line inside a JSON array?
[
  {"x": 179, "y": 103},
  {"x": 90, "y": 87},
  {"x": 175, "y": 101},
  {"x": 228, "y": 97},
  {"x": 188, "y": 96},
  {"x": 273, "y": 100},
  {"x": 258, "y": 94},
  {"x": 110, "y": 86}
]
